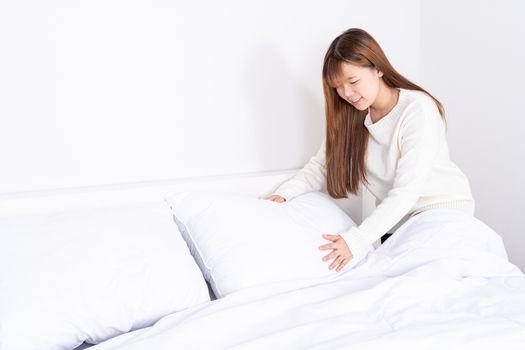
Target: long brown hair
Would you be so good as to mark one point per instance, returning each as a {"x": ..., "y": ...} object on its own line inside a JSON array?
[{"x": 346, "y": 134}]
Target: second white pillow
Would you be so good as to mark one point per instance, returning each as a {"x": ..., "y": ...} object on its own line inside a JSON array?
[
  {"x": 241, "y": 241},
  {"x": 89, "y": 275}
]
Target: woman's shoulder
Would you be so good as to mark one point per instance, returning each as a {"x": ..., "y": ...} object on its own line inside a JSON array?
[
  {"x": 418, "y": 102},
  {"x": 419, "y": 108},
  {"x": 417, "y": 98}
]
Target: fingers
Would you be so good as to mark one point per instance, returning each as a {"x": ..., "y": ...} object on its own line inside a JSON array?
[
  {"x": 340, "y": 252},
  {"x": 332, "y": 238},
  {"x": 276, "y": 198},
  {"x": 342, "y": 264},
  {"x": 327, "y": 246},
  {"x": 336, "y": 262},
  {"x": 340, "y": 260},
  {"x": 329, "y": 256}
]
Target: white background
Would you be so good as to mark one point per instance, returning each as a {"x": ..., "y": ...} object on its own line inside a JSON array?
[
  {"x": 472, "y": 55},
  {"x": 115, "y": 92}
]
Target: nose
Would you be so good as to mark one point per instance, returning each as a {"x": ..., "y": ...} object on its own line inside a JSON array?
[{"x": 348, "y": 91}]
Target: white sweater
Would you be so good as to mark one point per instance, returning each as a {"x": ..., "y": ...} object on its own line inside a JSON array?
[{"x": 407, "y": 165}]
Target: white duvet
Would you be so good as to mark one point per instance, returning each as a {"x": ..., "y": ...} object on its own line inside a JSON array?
[{"x": 442, "y": 281}]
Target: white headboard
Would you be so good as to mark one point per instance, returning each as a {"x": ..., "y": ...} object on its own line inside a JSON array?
[{"x": 256, "y": 184}]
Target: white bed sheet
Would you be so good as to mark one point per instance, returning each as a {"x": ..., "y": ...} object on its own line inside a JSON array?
[{"x": 442, "y": 281}]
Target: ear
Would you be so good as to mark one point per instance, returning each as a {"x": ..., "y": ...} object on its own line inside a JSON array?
[{"x": 379, "y": 73}]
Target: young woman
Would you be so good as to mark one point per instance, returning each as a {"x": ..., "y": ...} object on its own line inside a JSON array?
[{"x": 383, "y": 132}]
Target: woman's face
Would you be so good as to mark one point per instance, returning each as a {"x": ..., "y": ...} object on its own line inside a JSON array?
[{"x": 358, "y": 85}]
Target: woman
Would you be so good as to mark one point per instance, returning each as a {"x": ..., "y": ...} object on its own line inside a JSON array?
[{"x": 383, "y": 132}]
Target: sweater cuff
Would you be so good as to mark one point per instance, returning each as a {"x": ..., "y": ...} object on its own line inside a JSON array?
[{"x": 358, "y": 244}]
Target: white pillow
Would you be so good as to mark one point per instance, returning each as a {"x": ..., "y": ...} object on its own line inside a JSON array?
[
  {"x": 241, "y": 241},
  {"x": 90, "y": 275}
]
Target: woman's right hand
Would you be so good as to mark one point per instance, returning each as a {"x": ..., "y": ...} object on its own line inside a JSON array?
[{"x": 276, "y": 198}]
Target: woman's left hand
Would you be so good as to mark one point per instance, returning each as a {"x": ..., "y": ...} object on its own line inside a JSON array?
[{"x": 341, "y": 252}]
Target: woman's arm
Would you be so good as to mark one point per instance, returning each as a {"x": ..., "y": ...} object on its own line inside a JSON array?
[
  {"x": 421, "y": 135},
  {"x": 310, "y": 178}
]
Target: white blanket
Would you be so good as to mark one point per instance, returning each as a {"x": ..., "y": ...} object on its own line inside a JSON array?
[{"x": 442, "y": 281}]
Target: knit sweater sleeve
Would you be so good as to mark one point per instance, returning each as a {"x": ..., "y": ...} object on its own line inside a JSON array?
[
  {"x": 420, "y": 136},
  {"x": 310, "y": 178}
]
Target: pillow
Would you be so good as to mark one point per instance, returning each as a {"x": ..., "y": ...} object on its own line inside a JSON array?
[
  {"x": 75, "y": 276},
  {"x": 241, "y": 241}
]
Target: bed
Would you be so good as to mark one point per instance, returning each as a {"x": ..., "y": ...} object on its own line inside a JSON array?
[{"x": 215, "y": 270}]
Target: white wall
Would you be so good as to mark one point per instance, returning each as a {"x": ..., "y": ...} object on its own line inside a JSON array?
[
  {"x": 105, "y": 92},
  {"x": 111, "y": 92},
  {"x": 472, "y": 60}
]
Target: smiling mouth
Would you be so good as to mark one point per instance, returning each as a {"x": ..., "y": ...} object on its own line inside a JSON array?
[{"x": 355, "y": 101}]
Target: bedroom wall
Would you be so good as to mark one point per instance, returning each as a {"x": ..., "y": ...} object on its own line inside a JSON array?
[
  {"x": 472, "y": 59},
  {"x": 111, "y": 92}
]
